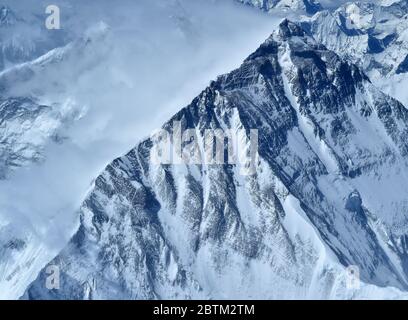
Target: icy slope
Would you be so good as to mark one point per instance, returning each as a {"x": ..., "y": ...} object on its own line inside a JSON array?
[{"x": 326, "y": 137}]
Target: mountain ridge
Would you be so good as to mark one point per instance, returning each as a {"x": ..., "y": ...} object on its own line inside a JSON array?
[{"x": 195, "y": 231}]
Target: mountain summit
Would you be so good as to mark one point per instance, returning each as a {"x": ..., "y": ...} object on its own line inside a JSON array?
[{"x": 326, "y": 195}]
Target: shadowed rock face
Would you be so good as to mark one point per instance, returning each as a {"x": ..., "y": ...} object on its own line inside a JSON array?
[
  {"x": 25, "y": 39},
  {"x": 371, "y": 34},
  {"x": 330, "y": 145},
  {"x": 307, "y": 6}
]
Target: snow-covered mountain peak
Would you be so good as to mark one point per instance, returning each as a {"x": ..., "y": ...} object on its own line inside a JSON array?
[{"x": 184, "y": 230}]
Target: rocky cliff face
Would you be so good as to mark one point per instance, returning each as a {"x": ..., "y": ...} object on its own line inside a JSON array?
[
  {"x": 60, "y": 111},
  {"x": 326, "y": 193},
  {"x": 371, "y": 34}
]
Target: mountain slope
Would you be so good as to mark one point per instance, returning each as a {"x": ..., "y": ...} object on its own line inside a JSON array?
[
  {"x": 326, "y": 136},
  {"x": 24, "y": 38}
]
